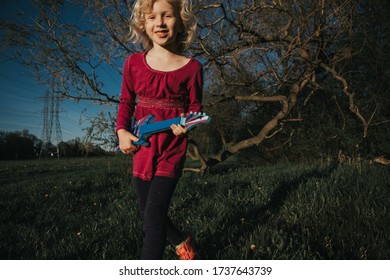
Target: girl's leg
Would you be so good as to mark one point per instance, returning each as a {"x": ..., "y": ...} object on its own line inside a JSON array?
[
  {"x": 142, "y": 190},
  {"x": 174, "y": 235},
  {"x": 153, "y": 201}
]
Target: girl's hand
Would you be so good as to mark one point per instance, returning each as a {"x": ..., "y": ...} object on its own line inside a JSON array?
[
  {"x": 126, "y": 142},
  {"x": 178, "y": 129}
]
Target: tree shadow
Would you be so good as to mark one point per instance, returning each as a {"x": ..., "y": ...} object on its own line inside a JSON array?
[{"x": 260, "y": 214}]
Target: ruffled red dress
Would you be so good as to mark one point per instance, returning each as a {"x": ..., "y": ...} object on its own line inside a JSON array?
[{"x": 165, "y": 95}]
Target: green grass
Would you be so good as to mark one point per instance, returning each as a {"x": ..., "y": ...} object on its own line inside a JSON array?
[{"x": 85, "y": 209}]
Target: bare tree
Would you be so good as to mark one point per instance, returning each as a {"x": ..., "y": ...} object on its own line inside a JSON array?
[
  {"x": 280, "y": 52},
  {"x": 257, "y": 52}
]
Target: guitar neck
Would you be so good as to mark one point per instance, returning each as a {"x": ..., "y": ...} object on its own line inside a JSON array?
[{"x": 159, "y": 126}]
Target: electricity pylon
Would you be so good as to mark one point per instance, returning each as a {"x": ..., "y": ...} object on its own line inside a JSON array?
[{"x": 51, "y": 118}]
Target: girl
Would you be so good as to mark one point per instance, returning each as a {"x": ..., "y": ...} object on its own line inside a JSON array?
[{"x": 165, "y": 84}]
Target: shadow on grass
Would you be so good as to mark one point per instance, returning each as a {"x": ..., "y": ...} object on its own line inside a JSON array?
[{"x": 259, "y": 215}]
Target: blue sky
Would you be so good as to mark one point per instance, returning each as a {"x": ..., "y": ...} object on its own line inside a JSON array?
[{"x": 21, "y": 105}]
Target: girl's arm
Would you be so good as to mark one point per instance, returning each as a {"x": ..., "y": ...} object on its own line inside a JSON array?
[
  {"x": 127, "y": 100},
  {"x": 195, "y": 91},
  {"x": 125, "y": 112}
]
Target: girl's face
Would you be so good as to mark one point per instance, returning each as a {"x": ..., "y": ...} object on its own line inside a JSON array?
[{"x": 162, "y": 24}]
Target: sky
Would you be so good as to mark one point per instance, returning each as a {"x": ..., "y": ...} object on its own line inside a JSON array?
[{"x": 22, "y": 105}]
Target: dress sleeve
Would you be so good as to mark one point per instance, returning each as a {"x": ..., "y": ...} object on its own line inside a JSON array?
[
  {"x": 196, "y": 91},
  {"x": 127, "y": 99}
]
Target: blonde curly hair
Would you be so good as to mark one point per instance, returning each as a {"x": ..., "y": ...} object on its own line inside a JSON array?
[{"x": 187, "y": 18}]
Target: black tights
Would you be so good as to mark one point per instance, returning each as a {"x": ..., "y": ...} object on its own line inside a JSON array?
[{"x": 153, "y": 198}]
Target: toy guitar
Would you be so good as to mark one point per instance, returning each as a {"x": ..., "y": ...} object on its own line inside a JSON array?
[{"x": 147, "y": 126}]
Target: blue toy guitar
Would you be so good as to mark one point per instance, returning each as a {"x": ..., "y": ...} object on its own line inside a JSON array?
[{"x": 147, "y": 126}]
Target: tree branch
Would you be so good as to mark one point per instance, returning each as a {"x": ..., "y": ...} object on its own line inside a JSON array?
[{"x": 351, "y": 97}]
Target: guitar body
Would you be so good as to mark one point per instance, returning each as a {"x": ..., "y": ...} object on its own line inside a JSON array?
[{"x": 147, "y": 126}]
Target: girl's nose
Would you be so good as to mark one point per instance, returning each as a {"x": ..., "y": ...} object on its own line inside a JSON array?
[{"x": 160, "y": 21}]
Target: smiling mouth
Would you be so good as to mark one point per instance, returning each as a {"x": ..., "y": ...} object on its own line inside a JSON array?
[{"x": 161, "y": 34}]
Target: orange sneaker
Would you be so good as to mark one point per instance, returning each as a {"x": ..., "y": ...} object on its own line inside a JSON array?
[{"x": 185, "y": 251}]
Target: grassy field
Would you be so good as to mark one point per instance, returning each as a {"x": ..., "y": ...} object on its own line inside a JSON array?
[{"x": 85, "y": 209}]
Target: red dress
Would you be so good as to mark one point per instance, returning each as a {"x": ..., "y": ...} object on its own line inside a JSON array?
[{"x": 165, "y": 95}]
